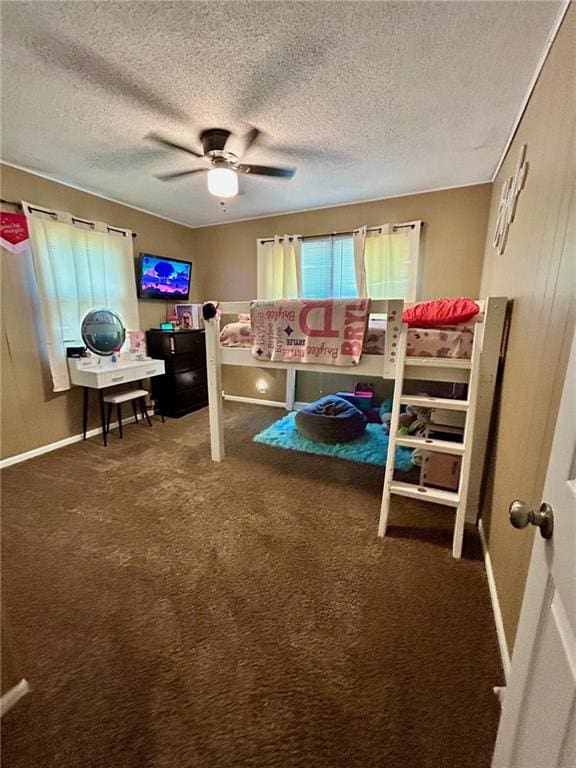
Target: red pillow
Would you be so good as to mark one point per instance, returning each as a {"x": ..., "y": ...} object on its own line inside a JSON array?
[{"x": 440, "y": 312}]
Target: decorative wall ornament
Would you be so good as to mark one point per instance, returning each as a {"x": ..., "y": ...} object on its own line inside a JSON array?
[
  {"x": 13, "y": 232},
  {"x": 509, "y": 200}
]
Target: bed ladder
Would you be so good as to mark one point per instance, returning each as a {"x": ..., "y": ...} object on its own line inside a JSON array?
[{"x": 457, "y": 499}]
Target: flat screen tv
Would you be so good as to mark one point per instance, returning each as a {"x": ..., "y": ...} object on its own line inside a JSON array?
[{"x": 161, "y": 278}]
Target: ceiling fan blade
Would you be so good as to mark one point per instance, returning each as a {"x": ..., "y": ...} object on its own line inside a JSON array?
[
  {"x": 310, "y": 152},
  {"x": 272, "y": 82},
  {"x": 179, "y": 174},
  {"x": 171, "y": 144},
  {"x": 128, "y": 159},
  {"x": 84, "y": 63},
  {"x": 249, "y": 139},
  {"x": 267, "y": 170}
]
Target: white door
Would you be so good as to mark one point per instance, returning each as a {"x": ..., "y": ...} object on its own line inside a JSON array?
[{"x": 538, "y": 723}]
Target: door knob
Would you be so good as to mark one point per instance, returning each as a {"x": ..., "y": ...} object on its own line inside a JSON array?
[{"x": 521, "y": 515}]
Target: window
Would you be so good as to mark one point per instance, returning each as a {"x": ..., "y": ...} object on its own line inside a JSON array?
[
  {"x": 378, "y": 262},
  {"x": 78, "y": 269},
  {"x": 328, "y": 268}
]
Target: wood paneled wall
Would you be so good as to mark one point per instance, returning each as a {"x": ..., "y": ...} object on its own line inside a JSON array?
[{"x": 538, "y": 272}]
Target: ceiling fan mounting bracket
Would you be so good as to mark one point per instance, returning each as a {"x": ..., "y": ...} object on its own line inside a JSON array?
[{"x": 214, "y": 140}]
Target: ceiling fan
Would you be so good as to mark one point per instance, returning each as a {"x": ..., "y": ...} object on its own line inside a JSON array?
[
  {"x": 222, "y": 152},
  {"x": 223, "y": 164}
]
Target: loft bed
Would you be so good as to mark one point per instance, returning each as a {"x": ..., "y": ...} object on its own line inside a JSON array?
[{"x": 394, "y": 361}]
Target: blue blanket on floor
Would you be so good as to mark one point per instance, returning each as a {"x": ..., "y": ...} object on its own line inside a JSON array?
[{"x": 370, "y": 448}]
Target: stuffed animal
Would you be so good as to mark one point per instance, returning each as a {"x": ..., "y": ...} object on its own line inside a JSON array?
[
  {"x": 405, "y": 420},
  {"x": 412, "y": 421}
]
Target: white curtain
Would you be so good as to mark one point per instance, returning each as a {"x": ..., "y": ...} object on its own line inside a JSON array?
[
  {"x": 391, "y": 260},
  {"x": 359, "y": 241},
  {"x": 78, "y": 267},
  {"x": 279, "y": 262}
]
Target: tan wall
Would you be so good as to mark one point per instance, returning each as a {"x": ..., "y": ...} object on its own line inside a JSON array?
[
  {"x": 453, "y": 246},
  {"x": 537, "y": 270},
  {"x": 32, "y": 415}
]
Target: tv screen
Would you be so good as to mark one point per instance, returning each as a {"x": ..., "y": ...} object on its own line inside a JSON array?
[{"x": 160, "y": 278}]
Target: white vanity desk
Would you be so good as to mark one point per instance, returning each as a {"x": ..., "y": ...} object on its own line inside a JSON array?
[
  {"x": 107, "y": 374},
  {"x": 89, "y": 373}
]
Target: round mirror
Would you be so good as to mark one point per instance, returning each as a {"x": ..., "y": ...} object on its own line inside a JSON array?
[{"x": 102, "y": 331}]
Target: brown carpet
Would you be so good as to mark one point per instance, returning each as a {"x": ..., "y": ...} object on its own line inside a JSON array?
[{"x": 175, "y": 613}]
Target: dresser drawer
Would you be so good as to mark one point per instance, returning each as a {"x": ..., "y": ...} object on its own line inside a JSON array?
[
  {"x": 188, "y": 401},
  {"x": 189, "y": 343},
  {"x": 180, "y": 363},
  {"x": 167, "y": 387},
  {"x": 189, "y": 379},
  {"x": 166, "y": 343}
]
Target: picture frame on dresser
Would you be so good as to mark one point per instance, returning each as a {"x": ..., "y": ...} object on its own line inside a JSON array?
[{"x": 189, "y": 317}]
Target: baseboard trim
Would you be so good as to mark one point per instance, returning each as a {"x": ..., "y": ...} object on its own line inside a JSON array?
[
  {"x": 254, "y": 401},
  {"x": 13, "y": 696},
  {"x": 19, "y": 457},
  {"x": 500, "y": 634}
]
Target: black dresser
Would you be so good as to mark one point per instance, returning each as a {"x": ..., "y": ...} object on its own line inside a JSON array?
[{"x": 183, "y": 388}]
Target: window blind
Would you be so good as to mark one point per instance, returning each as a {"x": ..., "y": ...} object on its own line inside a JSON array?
[{"x": 328, "y": 268}]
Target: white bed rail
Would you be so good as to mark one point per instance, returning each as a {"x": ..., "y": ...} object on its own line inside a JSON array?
[{"x": 377, "y": 306}]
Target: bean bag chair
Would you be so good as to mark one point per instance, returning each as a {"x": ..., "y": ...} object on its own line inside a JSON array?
[{"x": 330, "y": 420}]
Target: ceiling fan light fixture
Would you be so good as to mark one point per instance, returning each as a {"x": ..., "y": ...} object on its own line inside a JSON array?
[{"x": 222, "y": 182}]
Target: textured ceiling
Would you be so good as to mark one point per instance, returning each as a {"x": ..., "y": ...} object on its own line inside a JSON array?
[{"x": 367, "y": 99}]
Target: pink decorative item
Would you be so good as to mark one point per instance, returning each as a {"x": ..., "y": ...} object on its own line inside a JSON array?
[
  {"x": 13, "y": 232},
  {"x": 440, "y": 312},
  {"x": 137, "y": 342}
]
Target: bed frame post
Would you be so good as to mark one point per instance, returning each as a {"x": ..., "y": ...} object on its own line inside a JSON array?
[
  {"x": 393, "y": 429},
  {"x": 214, "y": 388},
  {"x": 495, "y": 309},
  {"x": 394, "y": 308},
  {"x": 394, "y": 352},
  {"x": 290, "y": 388}
]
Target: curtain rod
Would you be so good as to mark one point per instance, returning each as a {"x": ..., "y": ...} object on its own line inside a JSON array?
[
  {"x": 74, "y": 218},
  {"x": 10, "y": 202},
  {"x": 340, "y": 234}
]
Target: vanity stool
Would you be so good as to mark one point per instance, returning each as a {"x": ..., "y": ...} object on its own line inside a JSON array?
[{"x": 117, "y": 398}]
